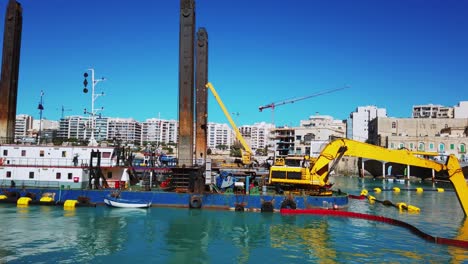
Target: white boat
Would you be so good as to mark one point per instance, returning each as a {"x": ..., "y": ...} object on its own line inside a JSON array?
[
  {"x": 126, "y": 203},
  {"x": 66, "y": 167}
]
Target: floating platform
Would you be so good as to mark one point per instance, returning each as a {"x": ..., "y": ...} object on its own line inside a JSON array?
[{"x": 231, "y": 201}]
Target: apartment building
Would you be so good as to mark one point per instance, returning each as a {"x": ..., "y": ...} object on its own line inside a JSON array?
[
  {"x": 358, "y": 122},
  {"x": 300, "y": 140},
  {"x": 258, "y": 135},
  {"x": 80, "y": 127},
  {"x": 23, "y": 127},
  {"x": 127, "y": 130},
  {"x": 432, "y": 111},
  {"x": 159, "y": 131},
  {"x": 219, "y": 135}
]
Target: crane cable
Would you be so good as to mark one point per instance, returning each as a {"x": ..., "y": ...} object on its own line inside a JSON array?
[{"x": 391, "y": 221}]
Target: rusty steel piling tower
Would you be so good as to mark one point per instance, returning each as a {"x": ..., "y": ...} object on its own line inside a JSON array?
[
  {"x": 186, "y": 83},
  {"x": 10, "y": 70},
  {"x": 201, "y": 106}
]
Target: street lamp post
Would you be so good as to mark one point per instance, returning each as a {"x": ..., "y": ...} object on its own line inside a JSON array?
[{"x": 92, "y": 141}]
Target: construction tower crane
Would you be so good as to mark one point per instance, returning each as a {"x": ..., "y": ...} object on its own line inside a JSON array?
[
  {"x": 63, "y": 111},
  {"x": 293, "y": 100}
]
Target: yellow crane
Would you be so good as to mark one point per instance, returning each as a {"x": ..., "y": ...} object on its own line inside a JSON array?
[{"x": 247, "y": 154}]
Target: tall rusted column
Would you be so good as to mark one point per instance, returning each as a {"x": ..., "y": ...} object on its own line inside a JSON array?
[
  {"x": 201, "y": 106},
  {"x": 10, "y": 70},
  {"x": 186, "y": 87}
]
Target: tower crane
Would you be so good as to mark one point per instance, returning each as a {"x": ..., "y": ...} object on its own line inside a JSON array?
[
  {"x": 293, "y": 100},
  {"x": 63, "y": 110}
]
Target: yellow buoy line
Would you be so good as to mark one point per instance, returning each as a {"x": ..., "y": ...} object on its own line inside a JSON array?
[
  {"x": 402, "y": 206},
  {"x": 418, "y": 190}
]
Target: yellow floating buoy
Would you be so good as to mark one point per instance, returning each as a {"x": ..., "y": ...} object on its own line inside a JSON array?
[
  {"x": 364, "y": 192},
  {"x": 3, "y": 197},
  {"x": 377, "y": 190},
  {"x": 413, "y": 208},
  {"x": 419, "y": 189},
  {"x": 70, "y": 203},
  {"x": 46, "y": 199},
  {"x": 402, "y": 206},
  {"x": 440, "y": 190},
  {"x": 396, "y": 189},
  {"x": 371, "y": 198},
  {"x": 24, "y": 201}
]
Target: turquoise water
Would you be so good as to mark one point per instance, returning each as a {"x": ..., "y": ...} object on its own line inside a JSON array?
[{"x": 41, "y": 234}]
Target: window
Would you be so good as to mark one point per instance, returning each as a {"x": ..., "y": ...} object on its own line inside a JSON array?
[
  {"x": 452, "y": 146},
  {"x": 106, "y": 155},
  {"x": 31, "y": 175},
  {"x": 64, "y": 154},
  {"x": 8, "y": 174},
  {"x": 441, "y": 147},
  {"x": 431, "y": 146},
  {"x": 70, "y": 176},
  {"x": 462, "y": 148},
  {"x": 109, "y": 174},
  {"x": 58, "y": 175},
  {"x": 5, "y": 152},
  {"x": 23, "y": 153},
  {"x": 402, "y": 145},
  {"x": 421, "y": 146},
  {"x": 298, "y": 137},
  {"x": 393, "y": 124},
  {"x": 392, "y": 145},
  {"x": 411, "y": 145},
  {"x": 41, "y": 153}
]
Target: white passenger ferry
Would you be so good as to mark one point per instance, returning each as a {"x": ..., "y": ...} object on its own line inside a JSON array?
[{"x": 69, "y": 167}]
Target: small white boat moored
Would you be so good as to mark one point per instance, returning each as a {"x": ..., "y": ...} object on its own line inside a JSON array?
[{"x": 126, "y": 203}]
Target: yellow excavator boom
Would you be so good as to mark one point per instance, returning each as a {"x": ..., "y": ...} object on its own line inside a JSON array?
[{"x": 347, "y": 147}]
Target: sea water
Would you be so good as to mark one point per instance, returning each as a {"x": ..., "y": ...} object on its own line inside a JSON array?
[{"x": 48, "y": 234}]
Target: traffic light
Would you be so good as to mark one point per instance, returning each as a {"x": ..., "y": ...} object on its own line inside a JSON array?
[{"x": 85, "y": 83}]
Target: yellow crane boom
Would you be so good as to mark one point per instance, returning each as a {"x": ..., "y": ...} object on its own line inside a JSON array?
[{"x": 246, "y": 158}]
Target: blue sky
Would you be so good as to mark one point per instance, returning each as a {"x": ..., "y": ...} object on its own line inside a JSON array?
[{"x": 393, "y": 54}]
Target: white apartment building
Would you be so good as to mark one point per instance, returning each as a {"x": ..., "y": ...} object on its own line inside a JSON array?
[
  {"x": 23, "y": 126},
  {"x": 258, "y": 135},
  {"x": 461, "y": 110},
  {"x": 128, "y": 130},
  {"x": 358, "y": 122},
  {"x": 432, "y": 111},
  {"x": 159, "y": 131},
  {"x": 45, "y": 124},
  {"x": 219, "y": 135},
  {"x": 79, "y": 127},
  {"x": 440, "y": 111}
]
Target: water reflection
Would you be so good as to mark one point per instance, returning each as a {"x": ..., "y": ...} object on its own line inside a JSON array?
[
  {"x": 168, "y": 235},
  {"x": 310, "y": 238},
  {"x": 460, "y": 254},
  {"x": 40, "y": 230}
]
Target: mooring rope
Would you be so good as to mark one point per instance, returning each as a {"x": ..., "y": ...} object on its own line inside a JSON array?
[{"x": 413, "y": 229}]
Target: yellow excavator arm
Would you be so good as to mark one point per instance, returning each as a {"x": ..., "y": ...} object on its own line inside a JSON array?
[
  {"x": 338, "y": 148},
  {"x": 246, "y": 156}
]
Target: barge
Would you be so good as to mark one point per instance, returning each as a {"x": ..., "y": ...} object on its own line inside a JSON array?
[{"x": 89, "y": 174}]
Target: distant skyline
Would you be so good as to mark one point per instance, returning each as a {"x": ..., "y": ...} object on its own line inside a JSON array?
[{"x": 392, "y": 54}]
